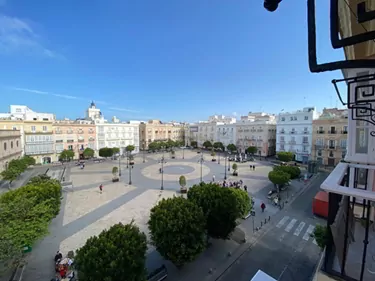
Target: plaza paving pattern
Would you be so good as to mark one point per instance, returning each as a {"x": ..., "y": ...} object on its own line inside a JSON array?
[{"x": 85, "y": 212}]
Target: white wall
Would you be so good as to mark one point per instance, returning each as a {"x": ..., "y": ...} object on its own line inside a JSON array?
[{"x": 226, "y": 134}]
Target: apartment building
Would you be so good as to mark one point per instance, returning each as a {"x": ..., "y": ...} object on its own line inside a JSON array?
[
  {"x": 209, "y": 131},
  {"x": 10, "y": 147},
  {"x": 74, "y": 135},
  {"x": 294, "y": 132},
  {"x": 349, "y": 253},
  {"x": 13, "y": 123},
  {"x": 156, "y": 130},
  {"x": 226, "y": 133},
  {"x": 257, "y": 129},
  {"x": 330, "y": 136},
  {"x": 191, "y": 133}
]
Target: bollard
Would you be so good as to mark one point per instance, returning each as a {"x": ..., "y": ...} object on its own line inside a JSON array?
[
  {"x": 229, "y": 254},
  {"x": 210, "y": 271},
  {"x": 265, "y": 221},
  {"x": 269, "y": 218},
  {"x": 261, "y": 224}
]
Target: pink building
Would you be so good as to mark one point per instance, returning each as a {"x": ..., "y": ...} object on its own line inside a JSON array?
[{"x": 74, "y": 135}]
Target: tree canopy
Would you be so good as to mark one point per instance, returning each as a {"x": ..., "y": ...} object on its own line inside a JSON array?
[
  {"x": 182, "y": 181},
  {"x": 106, "y": 152},
  {"x": 118, "y": 253},
  {"x": 130, "y": 148},
  {"x": 285, "y": 156},
  {"x": 234, "y": 167},
  {"x": 231, "y": 147},
  {"x": 25, "y": 216},
  {"x": 243, "y": 201},
  {"x": 278, "y": 177},
  {"x": 220, "y": 207},
  {"x": 194, "y": 144},
  {"x": 88, "y": 152},
  {"x": 219, "y": 146},
  {"x": 252, "y": 150},
  {"x": 115, "y": 150},
  {"x": 16, "y": 167},
  {"x": 293, "y": 171},
  {"x": 177, "y": 228},
  {"x": 207, "y": 144},
  {"x": 66, "y": 155}
]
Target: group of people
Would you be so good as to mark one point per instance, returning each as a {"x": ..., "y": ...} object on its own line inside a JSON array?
[{"x": 62, "y": 266}]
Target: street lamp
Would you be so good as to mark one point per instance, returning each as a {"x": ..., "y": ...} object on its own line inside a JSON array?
[
  {"x": 225, "y": 167},
  {"x": 127, "y": 160},
  {"x": 130, "y": 174},
  {"x": 201, "y": 160},
  {"x": 119, "y": 166},
  {"x": 218, "y": 156},
  {"x": 162, "y": 162},
  {"x": 144, "y": 155},
  {"x": 183, "y": 153}
]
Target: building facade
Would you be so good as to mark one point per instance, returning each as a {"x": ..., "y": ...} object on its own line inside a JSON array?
[
  {"x": 294, "y": 132},
  {"x": 226, "y": 133},
  {"x": 13, "y": 123},
  {"x": 257, "y": 129},
  {"x": 155, "y": 130},
  {"x": 191, "y": 133},
  {"x": 330, "y": 137},
  {"x": 10, "y": 147},
  {"x": 75, "y": 136}
]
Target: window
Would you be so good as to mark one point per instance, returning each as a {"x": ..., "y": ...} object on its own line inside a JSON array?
[
  {"x": 44, "y": 128},
  {"x": 14, "y": 128},
  {"x": 17, "y": 143},
  {"x": 291, "y": 118},
  {"x": 305, "y": 149},
  {"x": 345, "y": 129},
  {"x": 305, "y": 139},
  {"x": 305, "y": 129},
  {"x": 331, "y": 143},
  {"x": 5, "y": 146},
  {"x": 282, "y": 139},
  {"x": 282, "y": 119},
  {"x": 306, "y": 118},
  {"x": 295, "y": 118},
  {"x": 319, "y": 153},
  {"x": 70, "y": 147},
  {"x": 343, "y": 144},
  {"x": 330, "y": 153},
  {"x": 33, "y": 129},
  {"x": 11, "y": 144}
]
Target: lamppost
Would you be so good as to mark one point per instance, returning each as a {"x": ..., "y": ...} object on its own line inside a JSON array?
[
  {"x": 119, "y": 166},
  {"x": 183, "y": 153},
  {"x": 218, "y": 155},
  {"x": 201, "y": 160},
  {"x": 144, "y": 155},
  {"x": 130, "y": 169},
  {"x": 127, "y": 160},
  {"x": 162, "y": 162},
  {"x": 225, "y": 166}
]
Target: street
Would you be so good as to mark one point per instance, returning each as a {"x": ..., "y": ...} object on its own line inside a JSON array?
[{"x": 286, "y": 252}]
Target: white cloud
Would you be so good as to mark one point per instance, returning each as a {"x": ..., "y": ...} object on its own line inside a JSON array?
[
  {"x": 234, "y": 114},
  {"x": 123, "y": 109},
  {"x": 32, "y": 91},
  {"x": 17, "y": 36}
]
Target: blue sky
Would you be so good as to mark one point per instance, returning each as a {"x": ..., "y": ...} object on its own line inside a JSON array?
[{"x": 168, "y": 59}]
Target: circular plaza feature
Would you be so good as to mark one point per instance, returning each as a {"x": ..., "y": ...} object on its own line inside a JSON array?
[
  {"x": 178, "y": 170},
  {"x": 173, "y": 170}
]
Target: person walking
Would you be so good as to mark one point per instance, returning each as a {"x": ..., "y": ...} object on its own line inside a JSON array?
[
  {"x": 101, "y": 188},
  {"x": 213, "y": 178},
  {"x": 245, "y": 187},
  {"x": 253, "y": 167},
  {"x": 263, "y": 206}
]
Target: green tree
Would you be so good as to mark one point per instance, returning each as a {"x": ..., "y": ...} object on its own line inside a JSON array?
[
  {"x": 252, "y": 150},
  {"x": 207, "y": 144},
  {"x": 130, "y": 148},
  {"x": 177, "y": 228},
  {"x": 19, "y": 165},
  {"x": 115, "y": 150},
  {"x": 220, "y": 207},
  {"x": 320, "y": 235},
  {"x": 114, "y": 170},
  {"x": 88, "y": 153},
  {"x": 29, "y": 160},
  {"x": 170, "y": 144},
  {"x": 182, "y": 181},
  {"x": 234, "y": 167},
  {"x": 278, "y": 177},
  {"x": 219, "y": 146},
  {"x": 66, "y": 155},
  {"x": 10, "y": 174},
  {"x": 243, "y": 201},
  {"x": 285, "y": 156},
  {"x": 118, "y": 253},
  {"x": 231, "y": 147},
  {"x": 293, "y": 171},
  {"x": 194, "y": 144},
  {"x": 106, "y": 152}
]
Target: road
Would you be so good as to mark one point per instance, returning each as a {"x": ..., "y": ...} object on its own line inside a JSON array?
[{"x": 286, "y": 252}]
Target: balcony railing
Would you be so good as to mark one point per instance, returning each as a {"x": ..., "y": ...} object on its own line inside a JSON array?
[
  {"x": 332, "y": 132},
  {"x": 331, "y": 146},
  {"x": 282, "y": 132},
  {"x": 282, "y": 141},
  {"x": 305, "y": 142},
  {"x": 292, "y": 132},
  {"x": 320, "y": 132},
  {"x": 305, "y": 132},
  {"x": 344, "y": 132},
  {"x": 292, "y": 142}
]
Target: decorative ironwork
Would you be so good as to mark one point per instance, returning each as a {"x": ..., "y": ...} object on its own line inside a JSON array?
[
  {"x": 362, "y": 102},
  {"x": 362, "y": 16}
]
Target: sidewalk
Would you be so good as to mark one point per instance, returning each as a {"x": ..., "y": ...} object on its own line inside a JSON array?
[{"x": 20, "y": 181}]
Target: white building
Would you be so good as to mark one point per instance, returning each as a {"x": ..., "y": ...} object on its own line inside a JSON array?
[
  {"x": 294, "y": 132},
  {"x": 257, "y": 129},
  {"x": 191, "y": 133},
  {"x": 226, "y": 133},
  {"x": 115, "y": 133},
  {"x": 208, "y": 130}
]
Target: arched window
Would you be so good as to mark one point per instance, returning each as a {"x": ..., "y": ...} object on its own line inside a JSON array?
[
  {"x": 5, "y": 146},
  {"x": 17, "y": 143},
  {"x": 11, "y": 144}
]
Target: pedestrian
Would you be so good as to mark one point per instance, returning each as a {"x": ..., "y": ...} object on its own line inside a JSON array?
[
  {"x": 263, "y": 206},
  {"x": 245, "y": 187},
  {"x": 213, "y": 178},
  {"x": 101, "y": 188},
  {"x": 253, "y": 167}
]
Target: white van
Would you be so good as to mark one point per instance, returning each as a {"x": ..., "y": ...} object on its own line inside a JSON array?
[{"x": 262, "y": 276}]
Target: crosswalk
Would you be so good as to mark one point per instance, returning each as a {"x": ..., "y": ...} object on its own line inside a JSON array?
[{"x": 292, "y": 225}]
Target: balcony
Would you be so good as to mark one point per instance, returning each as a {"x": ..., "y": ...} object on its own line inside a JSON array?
[
  {"x": 332, "y": 132},
  {"x": 331, "y": 146},
  {"x": 350, "y": 248},
  {"x": 305, "y": 132},
  {"x": 282, "y": 141},
  {"x": 320, "y": 132},
  {"x": 282, "y": 132},
  {"x": 292, "y": 132},
  {"x": 292, "y": 142},
  {"x": 319, "y": 146},
  {"x": 344, "y": 132},
  {"x": 58, "y": 132},
  {"x": 305, "y": 142},
  {"x": 81, "y": 140}
]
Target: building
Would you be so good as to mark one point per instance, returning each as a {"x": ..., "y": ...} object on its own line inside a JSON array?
[
  {"x": 155, "y": 130},
  {"x": 191, "y": 133},
  {"x": 330, "y": 137},
  {"x": 74, "y": 135},
  {"x": 115, "y": 133},
  {"x": 349, "y": 253},
  {"x": 226, "y": 133},
  {"x": 257, "y": 129},
  {"x": 209, "y": 131},
  {"x": 10, "y": 147},
  {"x": 294, "y": 132},
  {"x": 13, "y": 123}
]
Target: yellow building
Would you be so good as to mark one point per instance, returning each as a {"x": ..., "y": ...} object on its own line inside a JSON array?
[
  {"x": 10, "y": 147},
  {"x": 39, "y": 140},
  {"x": 330, "y": 137},
  {"x": 155, "y": 130},
  {"x": 14, "y": 124}
]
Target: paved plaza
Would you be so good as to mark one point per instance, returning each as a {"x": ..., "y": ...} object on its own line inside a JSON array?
[{"x": 86, "y": 212}]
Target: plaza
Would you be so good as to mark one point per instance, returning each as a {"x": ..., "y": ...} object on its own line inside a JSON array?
[{"x": 86, "y": 212}]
